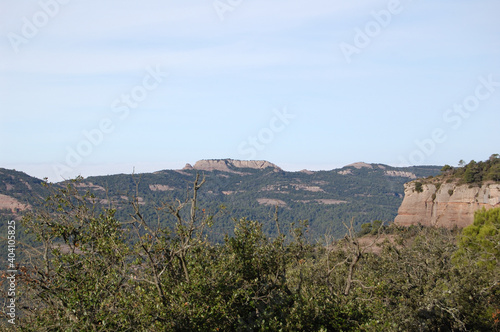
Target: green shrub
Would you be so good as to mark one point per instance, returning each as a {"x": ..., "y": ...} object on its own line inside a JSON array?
[{"x": 133, "y": 276}]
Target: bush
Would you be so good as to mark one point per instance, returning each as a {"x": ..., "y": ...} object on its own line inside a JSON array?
[
  {"x": 482, "y": 238},
  {"x": 90, "y": 271}
]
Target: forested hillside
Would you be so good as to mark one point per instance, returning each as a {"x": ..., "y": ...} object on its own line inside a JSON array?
[
  {"x": 324, "y": 198},
  {"x": 363, "y": 192}
]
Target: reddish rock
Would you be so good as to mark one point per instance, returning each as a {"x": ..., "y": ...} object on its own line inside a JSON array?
[
  {"x": 449, "y": 206},
  {"x": 228, "y": 165}
]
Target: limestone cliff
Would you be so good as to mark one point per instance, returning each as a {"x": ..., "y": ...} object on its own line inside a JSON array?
[
  {"x": 445, "y": 204},
  {"x": 232, "y": 166}
]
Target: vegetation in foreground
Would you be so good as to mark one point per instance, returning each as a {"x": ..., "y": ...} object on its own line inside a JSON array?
[{"x": 90, "y": 271}]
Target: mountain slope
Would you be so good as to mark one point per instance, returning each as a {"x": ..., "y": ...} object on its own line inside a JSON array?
[
  {"x": 18, "y": 192},
  {"x": 251, "y": 189},
  {"x": 365, "y": 192}
]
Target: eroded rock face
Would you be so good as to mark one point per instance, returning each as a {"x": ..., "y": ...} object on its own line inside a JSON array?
[
  {"x": 401, "y": 174},
  {"x": 12, "y": 204},
  {"x": 360, "y": 165},
  {"x": 228, "y": 165},
  {"x": 160, "y": 187},
  {"x": 447, "y": 205}
]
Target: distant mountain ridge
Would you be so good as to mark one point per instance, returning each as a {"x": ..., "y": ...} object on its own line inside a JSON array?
[
  {"x": 229, "y": 165},
  {"x": 251, "y": 189}
]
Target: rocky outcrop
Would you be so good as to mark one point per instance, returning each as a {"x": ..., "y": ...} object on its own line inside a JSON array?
[
  {"x": 271, "y": 202},
  {"x": 345, "y": 172},
  {"x": 160, "y": 187},
  {"x": 12, "y": 204},
  {"x": 401, "y": 174},
  {"x": 359, "y": 165},
  {"x": 230, "y": 165},
  {"x": 445, "y": 205}
]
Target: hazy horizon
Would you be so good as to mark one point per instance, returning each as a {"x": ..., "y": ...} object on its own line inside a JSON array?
[{"x": 99, "y": 170}]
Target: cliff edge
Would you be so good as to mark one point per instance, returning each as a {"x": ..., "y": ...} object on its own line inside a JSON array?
[
  {"x": 233, "y": 166},
  {"x": 445, "y": 204}
]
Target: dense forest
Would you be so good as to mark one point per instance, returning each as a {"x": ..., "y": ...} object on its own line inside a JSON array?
[
  {"x": 89, "y": 270},
  {"x": 475, "y": 172},
  {"x": 325, "y": 198},
  {"x": 364, "y": 194}
]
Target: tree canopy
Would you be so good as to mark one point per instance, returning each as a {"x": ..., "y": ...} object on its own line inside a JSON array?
[{"x": 92, "y": 271}]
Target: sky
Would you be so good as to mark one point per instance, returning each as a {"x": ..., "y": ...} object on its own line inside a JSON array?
[{"x": 104, "y": 87}]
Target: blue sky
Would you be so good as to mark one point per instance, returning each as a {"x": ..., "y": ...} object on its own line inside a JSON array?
[{"x": 100, "y": 87}]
